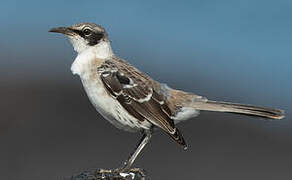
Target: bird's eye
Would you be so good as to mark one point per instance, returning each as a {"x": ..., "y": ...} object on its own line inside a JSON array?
[{"x": 87, "y": 32}]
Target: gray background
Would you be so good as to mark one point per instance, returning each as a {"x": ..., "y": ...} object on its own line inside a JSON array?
[{"x": 237, "y": 51}]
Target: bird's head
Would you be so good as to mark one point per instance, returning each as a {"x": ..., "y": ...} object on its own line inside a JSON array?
[{"x": 84, "y": 35}]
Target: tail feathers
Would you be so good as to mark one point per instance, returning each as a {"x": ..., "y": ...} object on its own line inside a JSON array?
[{"x": 240, "y": 109}]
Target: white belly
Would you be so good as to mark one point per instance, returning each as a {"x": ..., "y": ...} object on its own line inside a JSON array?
[{"x": 110, "y": 108}]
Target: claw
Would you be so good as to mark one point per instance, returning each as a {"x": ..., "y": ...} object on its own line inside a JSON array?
[{"x": 125, "y": 168}]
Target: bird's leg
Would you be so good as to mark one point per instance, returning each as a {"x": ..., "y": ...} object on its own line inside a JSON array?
[{"x": 144, "y": 140}]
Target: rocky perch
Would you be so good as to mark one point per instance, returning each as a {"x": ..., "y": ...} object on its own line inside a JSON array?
[{"x": 101, "y": 174}]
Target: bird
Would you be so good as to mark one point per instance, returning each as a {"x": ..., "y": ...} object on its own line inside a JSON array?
[{"x": 133, "y": 101}]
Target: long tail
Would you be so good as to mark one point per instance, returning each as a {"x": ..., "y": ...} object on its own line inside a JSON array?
[{"x": 239, "y": 108}]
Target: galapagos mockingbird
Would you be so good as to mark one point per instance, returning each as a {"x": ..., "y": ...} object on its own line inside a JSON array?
[{"x": 130, "y": 99}]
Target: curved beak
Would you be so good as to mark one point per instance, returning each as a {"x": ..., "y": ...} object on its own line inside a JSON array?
[{"x": 63, "y": 30}]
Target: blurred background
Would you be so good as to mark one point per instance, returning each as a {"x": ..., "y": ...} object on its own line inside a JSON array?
[{"x": 229, "y": 50}]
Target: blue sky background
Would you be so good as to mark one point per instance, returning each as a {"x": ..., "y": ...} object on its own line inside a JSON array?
[
  {"x": 247, "y": 42},
  {"x": 229, "y": 50}
]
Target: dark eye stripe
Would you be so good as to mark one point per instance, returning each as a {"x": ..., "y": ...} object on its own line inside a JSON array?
[
  {"x": 78, "y": 32},
  {"x": 92, "y": 39}
]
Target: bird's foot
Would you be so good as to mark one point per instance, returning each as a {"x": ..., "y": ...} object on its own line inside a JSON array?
[
  {"x": 122, "y": 173},
  {"x": 103, "y": 174},
  {"x": 124, "y": 168}
]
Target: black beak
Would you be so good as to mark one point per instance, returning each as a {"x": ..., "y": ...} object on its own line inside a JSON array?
[{"x": 62, "y": 30}]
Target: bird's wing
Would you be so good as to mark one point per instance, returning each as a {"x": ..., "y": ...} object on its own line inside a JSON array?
[{"x": 138, "y": 94}]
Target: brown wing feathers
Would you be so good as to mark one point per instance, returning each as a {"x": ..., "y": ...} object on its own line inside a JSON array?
[{"x": 135, "y": 92}]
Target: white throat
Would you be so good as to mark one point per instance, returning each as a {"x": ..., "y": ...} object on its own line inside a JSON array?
[
  {"x": 103, "y": 50},
  {"x": 82, "y": 62}
]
